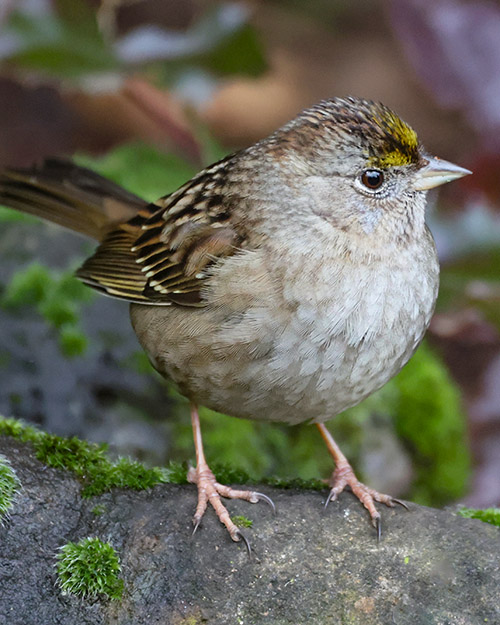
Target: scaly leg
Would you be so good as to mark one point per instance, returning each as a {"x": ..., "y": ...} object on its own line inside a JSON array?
[
  {"x": 344, "y": 476},
  {"x": 210, "y": 491}
]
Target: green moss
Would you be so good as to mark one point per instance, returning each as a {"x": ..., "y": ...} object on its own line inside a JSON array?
[
  {"x": 98, "y": 474},
  {"x": 175, "y": 473},
  {"x": 430, "y": 419},
  {"x": 489, "y": 515},
  {"x": 87, "y": 461},
  {"x": 297, "y": 483},
  {"x": 98, "y": 510},
  {"x": 19, "y": 430},
  {"x": 241, "y": 521},
  {"x": 9, "y": 487},
  {"x": 89, "y": 568}
]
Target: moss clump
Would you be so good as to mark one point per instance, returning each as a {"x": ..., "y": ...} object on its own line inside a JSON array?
[
  {"x": 9, "y": 487},
  {"x": 87, "y": 461},
  {"x": 175, "y": 473},
  {"x": 489, "y": 515},
  {"x": 89, "y": 568},
  {"x": 99, "y": 509},
  {"x": 296, "y": 483},
  {"x": 241, "y": 521}
]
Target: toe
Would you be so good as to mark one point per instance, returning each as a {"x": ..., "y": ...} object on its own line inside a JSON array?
[{"x": 210, "y": 491}]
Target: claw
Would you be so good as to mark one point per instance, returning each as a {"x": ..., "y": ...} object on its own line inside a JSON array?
[
  {"x": 268, "y": 500},
  {"x": 377, "y": 523},
  {"x": 331, "y": 497},
  {"x": 196, "y": 523},
  {"x": 401, "y": 503},
  {"x": 242, "y": 537}
]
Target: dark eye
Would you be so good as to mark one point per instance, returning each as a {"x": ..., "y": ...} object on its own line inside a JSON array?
[{"x": 372, "y": 179}]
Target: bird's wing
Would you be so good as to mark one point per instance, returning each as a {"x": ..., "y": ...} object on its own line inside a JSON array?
[{"x": 161, "y": 256}]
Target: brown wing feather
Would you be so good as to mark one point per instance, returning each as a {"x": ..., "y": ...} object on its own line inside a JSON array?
[
  {"x": 69, "y": 195},
  {"x": 161, "y": 255}
]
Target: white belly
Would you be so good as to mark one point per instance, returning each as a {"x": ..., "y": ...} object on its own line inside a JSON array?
[{"x": 334, "y": 351}]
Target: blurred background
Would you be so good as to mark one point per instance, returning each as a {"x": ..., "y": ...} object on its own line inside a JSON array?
[{"x": 148, "y": 92}]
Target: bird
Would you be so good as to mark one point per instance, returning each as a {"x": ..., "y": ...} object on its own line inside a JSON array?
[{"x": 286, "y": 282}]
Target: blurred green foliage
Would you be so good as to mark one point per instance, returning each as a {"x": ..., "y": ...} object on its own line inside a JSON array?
[
  {"x": 64, "y": 45},
  {"x": 57, "y": 296},
  {"x": 7, "y": 215},
  {"x": 66, "y": 42},
  {"x": 430, "y": 419},
  {"x": 142, "y": 169}
]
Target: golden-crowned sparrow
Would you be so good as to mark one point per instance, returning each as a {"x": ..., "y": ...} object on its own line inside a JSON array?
[{"x": 286, "y": 282}]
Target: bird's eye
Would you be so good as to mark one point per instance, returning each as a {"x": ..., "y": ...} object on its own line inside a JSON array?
[{"x": 372, "y": 179}]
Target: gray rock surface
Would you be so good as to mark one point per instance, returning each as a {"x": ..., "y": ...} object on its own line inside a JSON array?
[{"x": 308, "y": 566}]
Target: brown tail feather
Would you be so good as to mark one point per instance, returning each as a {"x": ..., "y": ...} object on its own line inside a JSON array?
[{"x": 69, "y": 195}]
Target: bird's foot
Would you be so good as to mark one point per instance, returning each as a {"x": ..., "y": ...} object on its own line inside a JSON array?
[
  {"x": 210, "y": 491},
  {"x": 344, "y": 476}
]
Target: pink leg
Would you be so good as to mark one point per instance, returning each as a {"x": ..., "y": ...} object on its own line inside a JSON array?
[
  {"x": 344, "y": 476},
  {"x": 210, "y": 491}
]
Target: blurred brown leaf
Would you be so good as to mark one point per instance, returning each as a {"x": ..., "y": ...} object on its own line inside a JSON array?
[
  {"x": 137, "y": 110},
  {"x": 166, "y": 112}
]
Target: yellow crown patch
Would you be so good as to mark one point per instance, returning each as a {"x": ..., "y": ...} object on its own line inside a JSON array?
[{"x": 399, "y": 145}]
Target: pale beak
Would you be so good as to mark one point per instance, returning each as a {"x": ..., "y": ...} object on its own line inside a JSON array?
[{"x": 437, "y": 172}]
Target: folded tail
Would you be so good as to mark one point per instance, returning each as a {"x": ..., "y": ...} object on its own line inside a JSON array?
[{"x": 69, "y": 195}]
